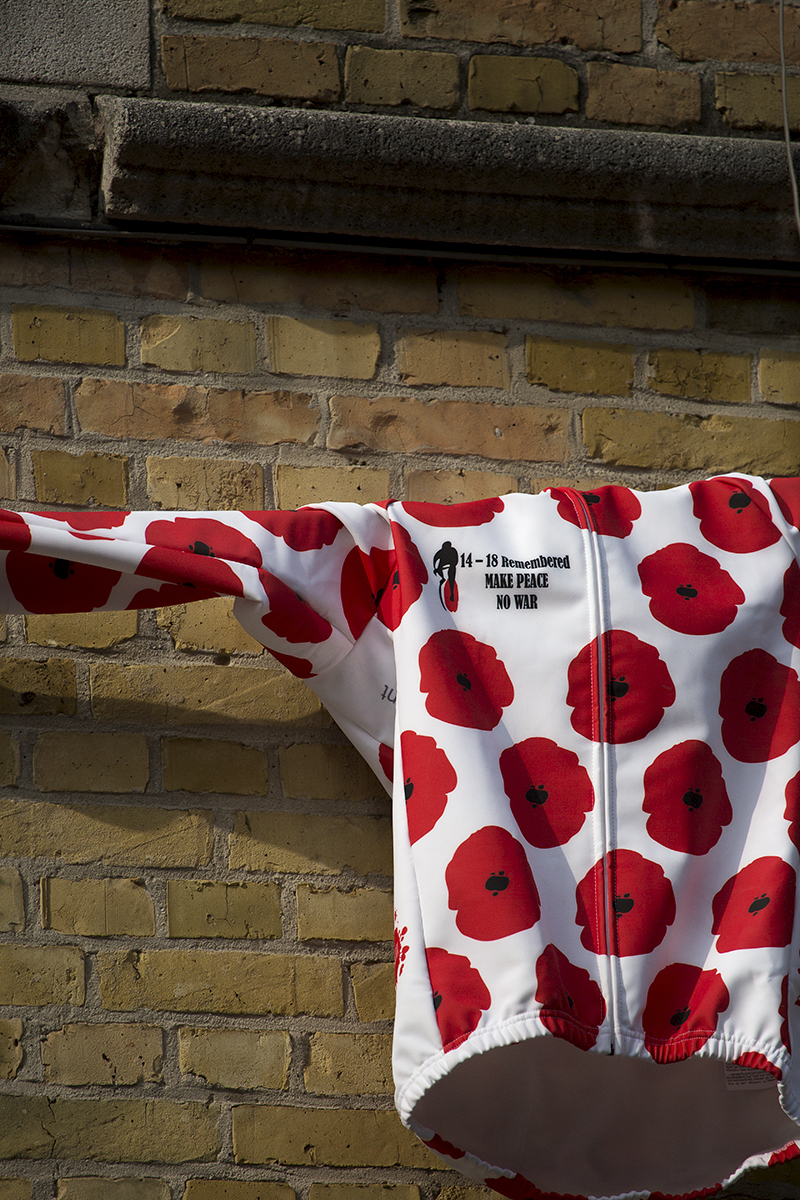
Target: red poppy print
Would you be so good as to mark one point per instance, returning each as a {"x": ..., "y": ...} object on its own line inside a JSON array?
[
  {"x": 612, "y": 510},
  {"x": 167, "y": 594},
  {"x": 443, "y": 1148},
  {"x": 686, "y": 797},
  {"x": 386, "y": 760},
  {"x": 689, "y": 591},
  {"x": 15, "y": 533},
  {"x": 792, "y": 809},
  {"x": 452, "y": 516},
  {"x": 733, "y": 515},
  {"x": 44, "y": 584},
  {"x": 490, "y": 886},
  {"x": 787, "y": 493},
  {"x": 790, "y": 606},
  {"x": 384, "y": 583},
  {"x": 89, "y": 520},
  {"x": 289, "y": 616},
  {"x": 401, "y": 949},
  {"x": 755, "y": 907},
  {"x": 465, "y": 682},
  {"x": 573, "y": 1007},
  {"x": 785, "y": 1155},
  {"x": 208, "y": 575},
  {"x": 759, "y": 701},
  {"x": 640, "y": 909},
  {"x": 301, "y": 667},
  {"x": 637, "y": 691},
  {"x": 549, "y": 790},
  {"x": 428, "y": 779},
  {"x": 682, "y": 1010},
  {"x": 758, "y": 1062},
  {"x": 459, "y": 995},
  {"x": 304, "y": 529},
  {"x": 205, "y": 538}
]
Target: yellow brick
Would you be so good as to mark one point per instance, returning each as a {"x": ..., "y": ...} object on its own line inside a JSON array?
[
  {"x": 363, "y": 915},
  {"x": 128, "y": 270},
  {"x": 204, "y": 483},
  {"x": 311, "y": 485},
  {"x": 474, "y": 358},
  {"x": 31, "y": 403},
  {"x": 722, "y": 30},
  {"x": 576, "y": 297},
  {"x": 92, "y": 631},
  {"x": 83, "y": 479},
  {"x": 97, "y": 907},
  {"x": 348, "y": 1064},
  {"x": 363, "y": 15},
  {"x": 33, "y": 264},
  {"x": 293, "y": 842},
  {"x": 263, "y": 66},
  {"x": 236, "y": 1058},
  {"x": 68, "y": 335},
  {"x": 40, "y": 975},
  {"x": 10, "y": 1051},
  {"x": 642, "y": 96},
  {"x": 456, "y": 487},
  {"x": 334, "y": 1137},
  {"x": 337, "y": 282},
  {"x": 220, "y": 981},
  {"x": 8, "y": 482},
  {"x": 37, "y": 689},
  {"x": 401, "y": 77},
  {"x": 203, "y": 695},
  {"x": 236, "y": 1189},
  {"x": 115, "y": 1055},
  {"x": 779, "y": 377},
  {"x": 373, "y": 989},
  {"x": 86, "y": 1187},
  {"x": 158, "y": 1131},
  {"x": 203, "y": 765},
  {"x": 198, "y": 344},
  {"x": 364, "y": 1191},
  {"x": 9, "y": 759},
  {"x": 396, "y": 425},
  {"x": 91, "y": 762},
  {"x": 701, "y": 376},
  {"x": 155, "y": 411},
  {"x": 692, "y": 443},
  {"x": 207, "y": 625},
  {"x": 122, "y": 836},
  {"x": 16, "y": 1189},
  {"x": 754, "y": 101},
  {"x": 341, "y": 349},
  {"x": 323, "y": 772},
  {"x": 12, "y": 901},
  {"x": 591, "y": 25},
  {"x": 205, "y": 908},
  {"x": 461, "y": 1191},
  {"x": 585, "y": 367},
  {"x": 502, "y": 83}
]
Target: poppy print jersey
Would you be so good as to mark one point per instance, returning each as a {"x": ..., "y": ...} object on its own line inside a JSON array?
[{"x": 586, "y": 706}]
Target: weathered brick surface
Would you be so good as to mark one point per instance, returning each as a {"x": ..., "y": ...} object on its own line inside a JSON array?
[
  {"x": 576, "y": 297},
  {"x": 476, "y": 358},
  {"x": 365, "y": 1191},
  {"x": 349, "y": 1064},
  {"x": 198, "y": 344},
  {"x": 40, "y": 975},
  {"x": 585, "y": 367},
  {"x": 694, "y": 443},
  {"x": 12, "y": 901},
  {"x": 80, "y": 479},
  {"x": 207, "y": 695},
  {"x": 92, "y": 631},
  {"x": 237, "y": 1189},
  {"x": 264, "y": 66},
  {"x": 86, "y": 1187},
  {"x": 153, "y": 410},
  {"x": 373, "y": 989},
  {"x": 325, "y": 772},
  {"x": 203, "y": 765},
  {"x": 16, "y": 1189},
  {"x": 208, "y": 908},
  {"x": 31, "y": 402},
  {"x": 91, "y": 762},
  {"x": 114, "y": 1055},
  {"x": 724, "y": 30},
  {"x": 340, "y": 349},
  {"x": 337, "y": 282},
  {"x": 37, "y": 689},
  {"x": 30, "y": 263},
  {"x": 275, "y": 841},
  {"x": 625, "y": 95},
  {"x": 394, "y": 424},
  {"x": 207, "y": 625},
  {"x": 204, "y": 484},
  {"x": 236, "y": 1058},
  {"x": 363, "y": 915},
  {"x": 779, "y": 377},
  {"x": 362, "y": 15},
  {"x": 428, "y": 80},
  {"x": 763, "y": 306},
  {"x": 594, "y": 25},
  {"x": 10, "y": 1050},
  {"x": 701, "y": 376},
  {"x": 107, "y": 1130},
  {"x": 456, "y": 487},
  {"x": 8, "y": 482},
  {"x": 310, "y": 485},
  {"x": 754, "y": 101},
  {"x": 118, "y": 836},
  {"x": 338, "y": 1137},
  {"x": 506, "y": 83},
  {"x": 128, "y": 271},
  {"x": 9, "y": 759},
  {"x": 68, "y": 335},
  {"x": 220, "y": 981},
  {"x": 97, "y": 907}
]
